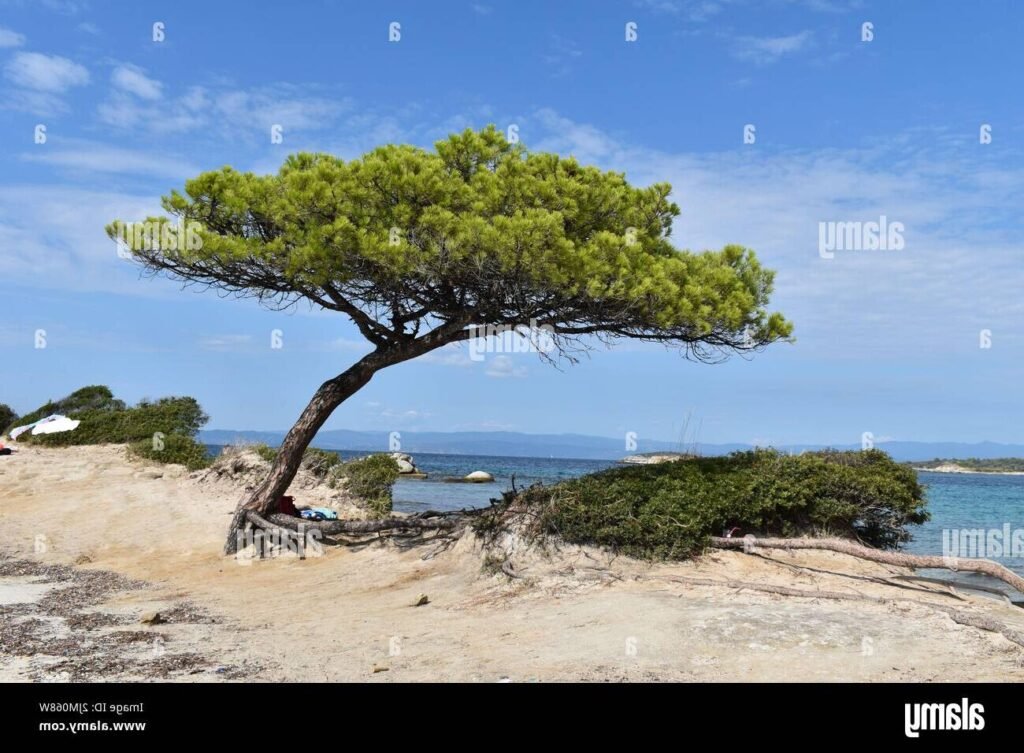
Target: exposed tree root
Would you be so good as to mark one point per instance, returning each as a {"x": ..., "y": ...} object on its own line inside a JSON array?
[
  {"x": 436, "y": 521},
  {"x": 407, "y": 531},
  {"x": 900, "y": 559}
]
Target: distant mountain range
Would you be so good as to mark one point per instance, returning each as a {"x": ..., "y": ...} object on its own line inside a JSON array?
[{"x": 581, "y": 446}]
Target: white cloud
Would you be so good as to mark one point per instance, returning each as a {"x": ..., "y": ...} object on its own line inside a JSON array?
[
  {"x": 960, "y": 206},
  {"x": 452, "y": 354},
  {"x": 126, "y": 112},
  {"x": 10, "y": 38},
  {"x": 225, "y": 343},
  {"x": 133, "y": 80},
  {"x": 697, "y": 11},
  {"x": 561, "y": 55},
  {"x": 247, "y": 113},
  {"x": 404, "y": 414},
  {"x": 765, "y": 50},
  {"x": 52, "y": 237},
  {"x": 91, "y": 157},
  {"x": 65, "y": 7},
  {"x": 280, "y": 105},
  {"x": 45, "y": 73},
  {"x": 503, "y": 367}
]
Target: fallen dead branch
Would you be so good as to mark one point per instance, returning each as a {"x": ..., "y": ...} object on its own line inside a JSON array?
[{"x": 900, "y": 559}]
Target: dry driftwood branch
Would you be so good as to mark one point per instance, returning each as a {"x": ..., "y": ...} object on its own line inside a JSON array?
[{"x": 900, "y": 559}]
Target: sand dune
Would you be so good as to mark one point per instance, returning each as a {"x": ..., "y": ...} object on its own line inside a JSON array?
[{"x": 92, "y": 541}]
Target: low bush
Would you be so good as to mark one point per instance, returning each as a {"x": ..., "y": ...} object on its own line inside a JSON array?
[
  {"x": 167, "y": 416},
  {"x": 174, "y": 448},
  {"x": 163, "y": 430},
  {"x": 8, "y": 417},
  {"x": 320, "y": 462},
  {"x": 371, "y": 479},
  {"x": 95, "y": 397},
  {"x": 668, "y": 510},
  {"x": 265, "y": 451}
]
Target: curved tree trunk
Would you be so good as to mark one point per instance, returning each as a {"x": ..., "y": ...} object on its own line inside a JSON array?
[{"x": 329, "y": 396}]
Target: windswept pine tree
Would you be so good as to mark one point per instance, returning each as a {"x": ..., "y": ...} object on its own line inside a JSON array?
[{"x": 419, "y": 249}]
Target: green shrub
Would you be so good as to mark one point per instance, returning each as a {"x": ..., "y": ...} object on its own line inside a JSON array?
[
  {"x": 8, "y": 418},
  {"x": 319, "y": 462},
  {"x": 92, "y": 398},
  {"x": 173, "y": 448},
  {"x": 162, "y": 430},
  {"x": 265, "y": 451},
  {"x": 371, "y": 479},
  {"x": 669, "y": 510},
  {"x": 168, "y": 415}
]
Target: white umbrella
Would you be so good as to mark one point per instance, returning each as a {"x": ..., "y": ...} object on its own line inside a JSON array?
[{"x": 56, "y": 426}]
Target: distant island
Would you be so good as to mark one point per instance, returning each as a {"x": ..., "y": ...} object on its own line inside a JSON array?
[
  {"x": 649, "y": 458},
  {"x": 1008, "y": 466}
]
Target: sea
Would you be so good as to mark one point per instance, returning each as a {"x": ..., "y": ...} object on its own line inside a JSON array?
[{"x": 957, "y": 502}]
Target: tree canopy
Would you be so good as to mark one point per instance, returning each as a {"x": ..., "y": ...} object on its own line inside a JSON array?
[
  {"x": 415, "y": 246},
  {"x": 421, "y": 249}
]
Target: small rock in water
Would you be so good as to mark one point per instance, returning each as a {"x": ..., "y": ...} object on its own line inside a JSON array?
[{"x": 479, "y": 476}]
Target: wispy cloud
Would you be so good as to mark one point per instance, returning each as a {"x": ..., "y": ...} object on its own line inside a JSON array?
[
  {"x": 10, "y": 38},
  {"x": 41, "y": 81},
  {"x": 452, "y": 354},
  {"x": 132, "y": 79},
  {"x": 697, "y": 11},
  {"x": 65, "y": 7},
  {"x": 52, "y": 237},
  {"x": 503, "y": 367},
  {"x": 953, "y": 199},
  {"x": 225, "y": 343},
  {"x": 561, "y": 55},
  {"x": 52, "y": 74},
  {"x": 92, "y": 157},
  {"x": 250, "y": 113},
  {"x": 767, "y": 50}
]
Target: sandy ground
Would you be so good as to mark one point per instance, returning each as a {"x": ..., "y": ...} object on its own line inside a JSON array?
[{"x": 92, "y": 542}]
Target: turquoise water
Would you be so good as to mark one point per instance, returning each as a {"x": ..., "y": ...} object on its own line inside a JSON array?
[
  {"x": 956, "y": 501},
  {"x": 969, "y": 501},
  {"x": 433, "y": 493}
]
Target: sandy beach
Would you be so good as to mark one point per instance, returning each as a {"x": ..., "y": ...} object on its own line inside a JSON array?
[
  {"x": 954, "y": 468},
  {"x": 96, "y": 545}
]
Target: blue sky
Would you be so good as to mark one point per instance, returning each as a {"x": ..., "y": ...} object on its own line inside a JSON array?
[{"x": 846, "y": 130}]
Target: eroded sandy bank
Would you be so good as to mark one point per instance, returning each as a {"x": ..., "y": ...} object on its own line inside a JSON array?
[{"x": 349, "y": 615}]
